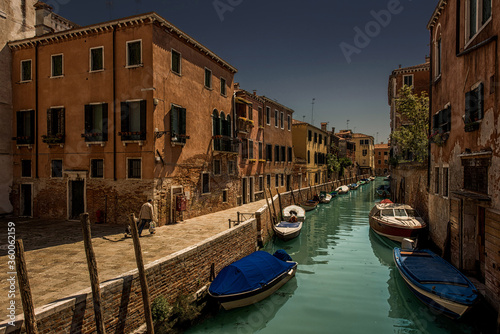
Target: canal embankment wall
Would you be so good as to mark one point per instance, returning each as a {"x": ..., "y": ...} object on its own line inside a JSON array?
[{"x": 186, "y": 273}]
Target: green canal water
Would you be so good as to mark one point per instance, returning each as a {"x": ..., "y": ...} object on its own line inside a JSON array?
[{"x": 346, "y": 283}]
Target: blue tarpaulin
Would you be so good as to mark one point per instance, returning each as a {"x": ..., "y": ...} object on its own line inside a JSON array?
[{"x": 249, "y": 273}]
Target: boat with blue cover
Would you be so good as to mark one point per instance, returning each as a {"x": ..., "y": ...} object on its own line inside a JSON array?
[
  {"x": 436, "y": 282},
  {"x": 252, "y": 279}
]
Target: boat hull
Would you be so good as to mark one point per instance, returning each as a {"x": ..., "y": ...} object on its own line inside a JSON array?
[
  {"x": 287, "y": 233},
  {"x": 434, "y": 298},
  {"x": 308, "y": 206},
  {"x": 396, "y": 233},
  {"x": 229, "y": 302}
]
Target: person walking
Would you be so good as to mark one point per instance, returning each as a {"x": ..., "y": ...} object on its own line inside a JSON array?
[{"x": 146, "y": 216}]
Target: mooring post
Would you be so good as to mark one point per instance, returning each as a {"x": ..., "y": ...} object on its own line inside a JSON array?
[
  {"x": 142, "y": 276},
  {"x": 238, "y": 220},
  {"x": 94, "y": 277},
  {"x": 24, "y": 287},
  {"x": 229, "y": 222}
]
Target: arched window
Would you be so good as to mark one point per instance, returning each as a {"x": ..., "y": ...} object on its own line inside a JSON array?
[
  {"x": 229, "y": 126},
  {"x": 223, "y": 124},
  {"x": 215, "y": 123}
]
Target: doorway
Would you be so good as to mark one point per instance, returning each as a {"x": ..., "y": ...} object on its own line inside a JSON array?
[
  {"x": 244, "y": 195},
  {"x": 251, "y": 187},
  {"x": 481, "y": 222},
  {"x": 26, "y": 208},
  {"x": 76, "y": 198}
]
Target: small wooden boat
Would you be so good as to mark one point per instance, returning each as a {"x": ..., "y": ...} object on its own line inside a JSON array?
[
  {"x": 372, "y": 178},
  {"x": 361, "y": 182},
  {"x": 324, "y": 197},
  {"x": 309, "y": 205},
  {"x": 333, "y": 193},
  {"x": 291, "y": 225},
  {"x": 353, "y": 186},
  {"x": 396, "y": 221},
  {"x": 251, "y": 279},
  {"x": 383, "y": 191},
  {"x": 436, "y": 282},
  {"x": 365, "y": 180},
  {"x": 342, "y": 190}
]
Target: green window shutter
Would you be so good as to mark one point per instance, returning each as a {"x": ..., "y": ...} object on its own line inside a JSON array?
[
  {"x": 20, "y": 124},
  {"x": 61, "y": 125},
  {"x": 143, "y": 126},
  {"x": 88, "y": 119},
  {"x": 182, "y": 121},
  {"x": 468, "y": 106},
  {"x": 480, "y": 101},
  {"x": 125, "y": 114},
  {"x": 174, "y": 121},
  {"x": 215, "y": 120},
  {"x": 448, "y": 119},
  {"x": 31, "y": 130},
  {"x": 49, "y": 122},
  {"x": 105, "y": 122}
]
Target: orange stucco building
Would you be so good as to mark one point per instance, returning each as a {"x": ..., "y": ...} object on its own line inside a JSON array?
[{"x": 114, "y": 113}]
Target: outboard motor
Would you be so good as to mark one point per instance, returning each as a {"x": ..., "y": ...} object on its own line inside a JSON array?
[{"x": 408, "y": 244}]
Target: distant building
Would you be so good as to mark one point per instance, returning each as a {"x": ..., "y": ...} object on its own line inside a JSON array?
[
  {"x": 108, "y": 115},
  {"x": 347, "y": 146},
  {"x": 365, "y": 153},
  {"x": 414, "y": 76},
  {"x": 464, "y": 174},
  {"x": 311, "y": 148},
  {"x": 18, "y": 19},
  {"x": 381, "y": 159}
]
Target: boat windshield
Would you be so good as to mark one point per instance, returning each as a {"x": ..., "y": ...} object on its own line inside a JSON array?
[
  {"x": 400, "y": 212},
  {"x": 412, "y": 213},
  {"x": 388, "y": 213}
]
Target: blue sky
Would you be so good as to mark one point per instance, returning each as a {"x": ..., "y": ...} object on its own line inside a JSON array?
[{"x": 293, "y": 51}]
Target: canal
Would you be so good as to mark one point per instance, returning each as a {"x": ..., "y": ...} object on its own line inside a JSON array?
[{"x": 346, "y": 283}]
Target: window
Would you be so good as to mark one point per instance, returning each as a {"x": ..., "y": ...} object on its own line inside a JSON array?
[
  {"x": 133, "y": 120},
  {"x": 208, "y": 78},
  {"x": 217, "y": 168},
  {"x": 315, "y": 137},
  {"x": 261, "y": 183},
  {"x": 476, "y": 175},
  {"x": 134, "y": 53},
  {"x": 379, "y": 153},
  {"x": 261, "y": 117},
  {"x": 379, "y": 162},
  {"x": 231, "y": 164},
  {"x": 309, "y": 135},
  {"x": 178, "y": 124},
  {"x": 56, "y": 168},
  {"x": 365, "y": 153},
  {"x": 282, "y": 177},
  {"x": 97, "y": 59},
  {"x": 97, "y": 168},
  {"x": 408, "y": 80},
  {"x": 205, "y": 183},
  {"x": 436, "y": 180},
  {"x": 57, "y": 65},
  {"x": 250, "y": 149},
  {"x": 176, "y": 62},
  {"x": 320, "y": 139},
  {"x": 250, "y": 112},
  {"x": 244, "y": 149},
  {"x": 25, "y": 168},
  {"x": 276, "y": 118},
  {"x": 96, "y": 122},
  {"x": 276, "y": 153},
  {"x": 445, "y": 182},
  {"x": 224, "y": 196},
  {"x": 276, "y": 180},
  {"x": 289, "y": 122},
  {"x": 223, "y": 86},
  {"x": 269, "y": 152},
  {"x": 479, "y": 12},
  {"x": 134, "y": 168},
  {"x": 290, "y": 158},
  {"x": 268, "y": 116},
  {"x": 438, "y": 57},
  {"x": 261, "y": 151},
  {"x": 25, "y": 127},
  {"x": 283, "y": 154},
  {"x": 55, "y": 125},
  {"x": 441, "y": 121},
  {"x": 268, "y": 177},
  {"x": 25, "y": 70},
  {"x": 308, "y": 157},
  {"x": 282, "y": 120},
  {"x": 474, "y": 106}
]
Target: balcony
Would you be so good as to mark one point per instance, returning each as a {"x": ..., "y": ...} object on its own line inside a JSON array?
[
  {"x": 226, "y": 144},
  {"x": 57, "y": 139},
  {"x": 244, "y": 125}
]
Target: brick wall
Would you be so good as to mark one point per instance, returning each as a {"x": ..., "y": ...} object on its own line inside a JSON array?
[{"x": 181, "y": 273}]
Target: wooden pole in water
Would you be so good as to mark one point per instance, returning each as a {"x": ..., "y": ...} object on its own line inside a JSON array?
[
  {"x": 269, "y": 207},
  {"x": 24, "y": 287},
  {"x": 272, "y": 202},
  {"x": 142, "y": 276},
  {"x": 94, "y": 276},
  {"x": 281, "y": 208},
  {"x": 293, "y": 197}
]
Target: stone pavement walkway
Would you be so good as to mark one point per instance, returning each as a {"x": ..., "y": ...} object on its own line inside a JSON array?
[{"x": 55, "y": 255}]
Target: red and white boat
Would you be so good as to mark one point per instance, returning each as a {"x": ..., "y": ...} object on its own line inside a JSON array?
[{"x": 396, "y": 221}]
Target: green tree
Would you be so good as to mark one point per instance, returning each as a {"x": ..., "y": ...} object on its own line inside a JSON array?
[
  {"x": 332, "y": 163},
  {"x": 344, "y": 163},
  {"x": 411, "y": 137}
]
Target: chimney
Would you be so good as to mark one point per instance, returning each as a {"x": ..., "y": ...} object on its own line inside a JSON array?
[
  {"x": 333, "y": 129},
  {"x": 236, "y": 85},
  {"x": 42, "y": 20},
  {"x": 254, "y": 92},
  {"x": 427, "y": 59},
  {"x": 323, "y": 126}
]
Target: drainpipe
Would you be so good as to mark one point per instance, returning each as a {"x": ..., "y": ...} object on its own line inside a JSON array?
[
  {"x": 36, "y": 110},
  {"x": 457, "y": 30},
  {"x": 114, "y": 105},
  {"x": 430, "y": 113}
]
